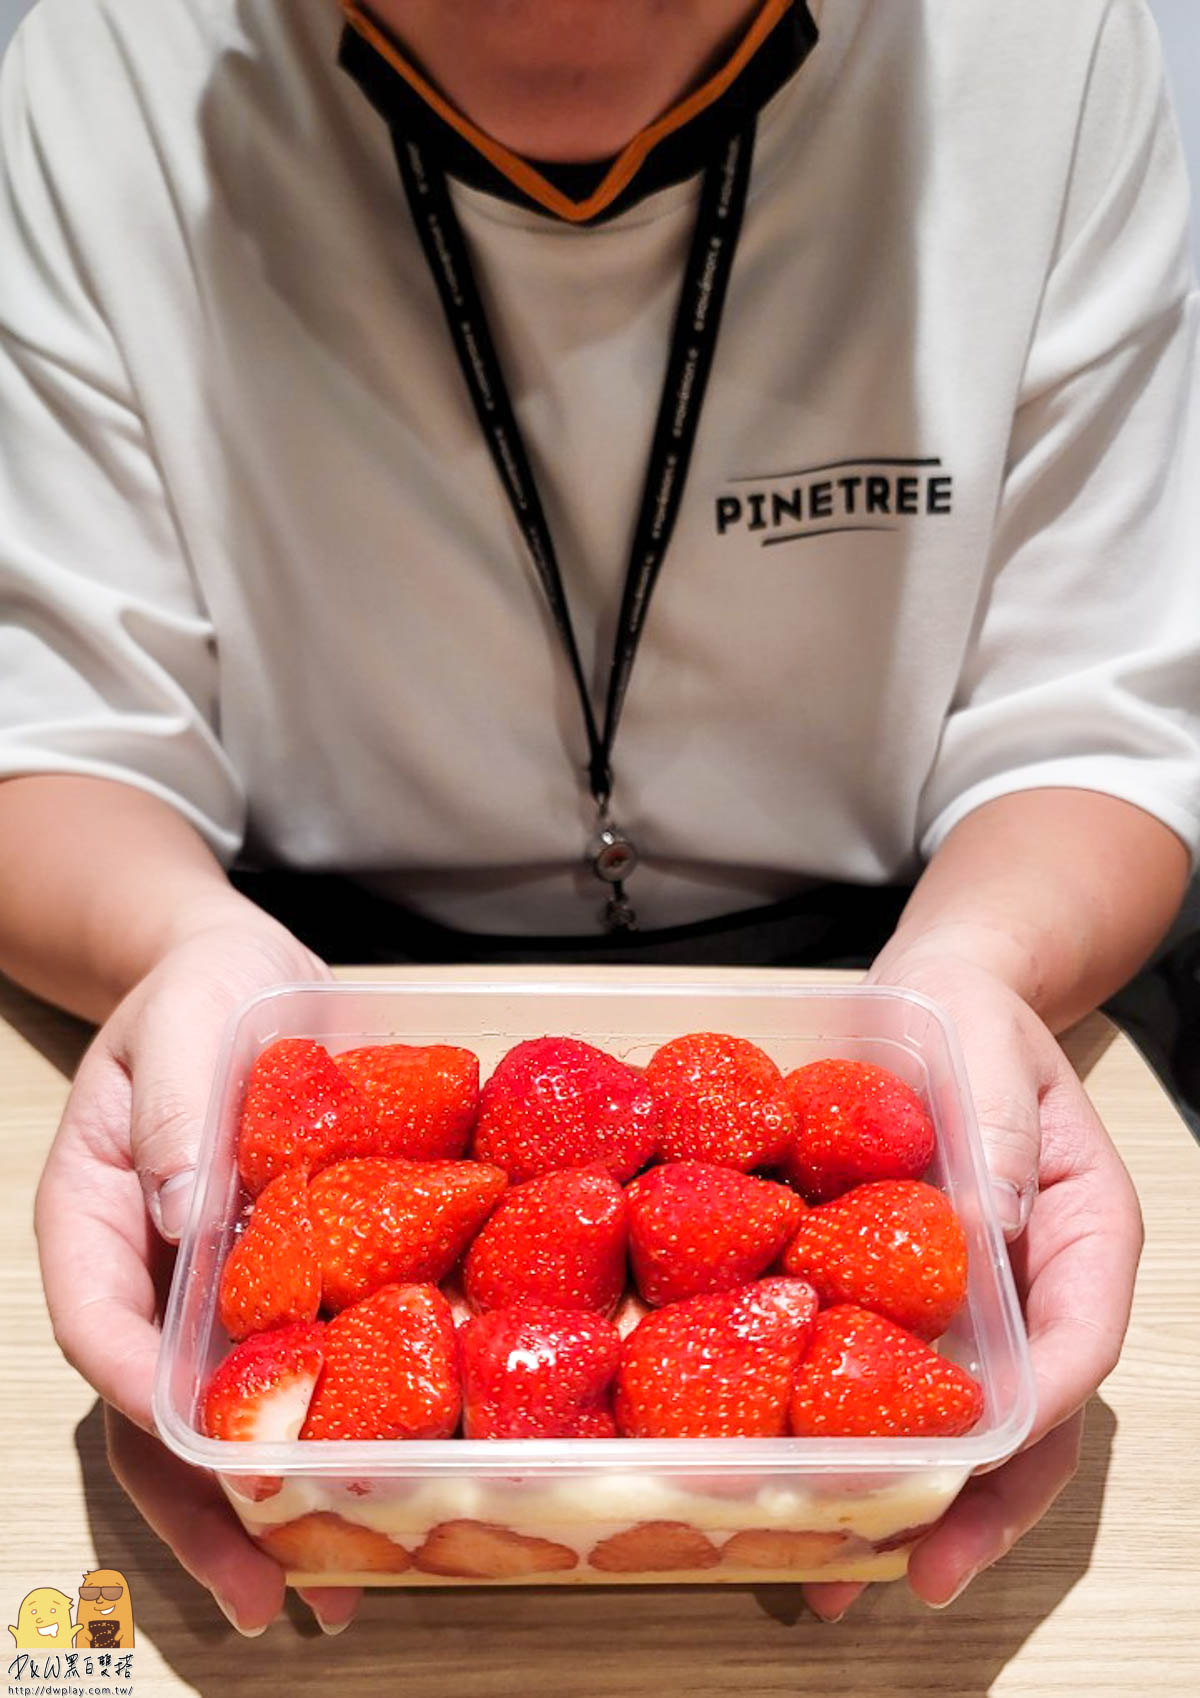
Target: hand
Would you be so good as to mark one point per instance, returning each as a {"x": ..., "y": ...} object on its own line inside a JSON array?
[
  {"x": 112, "y": 1200},
  {"x": 1064, "y": 1195}
]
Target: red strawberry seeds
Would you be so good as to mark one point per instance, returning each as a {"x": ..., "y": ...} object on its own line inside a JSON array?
[
  {"x": 271, "y": 1276},
  {"x": 559, "y": 1103},
  {"x": 423, "y": 1098},
  {"x": 298, "y": 1111},
  {"x": 557, "y": 1240},
  {"x": 380, "y": 1222},
  {"x": 895, "y": 1247},
  {"x": 537, "y": 1372},
  {"x": 853, "y": 1123},
  {"x": 695, "y": 1228},
  {"x": 391, "y": 1369},
  {"x": 720, "y": 1099},
  {"x": 865, "y": 1377},
  {"x": 262, "y": 1390},
  {"x": 716, "y": 1367}
]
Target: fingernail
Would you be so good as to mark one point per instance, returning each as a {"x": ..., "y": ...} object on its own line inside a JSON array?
[
  {"x": 332, "y": 1628},
  {"x": 169, "y": 1204},
  {"x": 227, "y": 1611},
  {"x": 831, "y": 1620},
  {"x": 1013, "y": 1205},
  {"x": 957, "y": 1592}
]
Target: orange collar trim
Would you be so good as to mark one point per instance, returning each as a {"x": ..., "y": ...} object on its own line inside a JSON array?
[{"x": 628, "y": 162}]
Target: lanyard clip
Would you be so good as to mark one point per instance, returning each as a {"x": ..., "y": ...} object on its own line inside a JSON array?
[
  {"x": 612, "y": 854},
  {"x": 613, "y": 857}
]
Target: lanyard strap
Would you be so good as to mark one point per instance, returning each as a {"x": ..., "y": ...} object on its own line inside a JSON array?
[{"x": 693, "y": 342}]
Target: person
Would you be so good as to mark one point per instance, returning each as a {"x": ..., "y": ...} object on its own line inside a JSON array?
[{"x": 334, "y": 411}]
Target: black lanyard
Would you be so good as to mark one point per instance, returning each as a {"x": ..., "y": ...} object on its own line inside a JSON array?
[{"x": 693, "y": 342}]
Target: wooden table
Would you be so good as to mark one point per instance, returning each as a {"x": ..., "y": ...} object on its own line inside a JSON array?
[{"x": 1102, "y": 1598}]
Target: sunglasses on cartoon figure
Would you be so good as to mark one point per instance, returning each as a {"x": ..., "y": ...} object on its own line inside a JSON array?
[{"x": 91, "y": 1593}]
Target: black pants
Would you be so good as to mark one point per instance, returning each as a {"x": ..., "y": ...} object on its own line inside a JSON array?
[{"x": 828, "y": 925}]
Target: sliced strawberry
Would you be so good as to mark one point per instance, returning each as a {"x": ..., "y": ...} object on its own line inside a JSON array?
[
  {"x": 720, "y": 1099},
  {"x": 716, "y": 1367},
  {"x": 324, "y": 1543},
  {"x": 864, "y": 1376},
  {"x": 557, "y": 1240},
  {"x": 262, "y": 1389},
  {"x": 479, "y": 1550},
  {"x": 298, "y": 1111},
  {"x": 696, "y": 1228},
  {"x": 895, "y": 1247},
  {"x": 380, "y": 1222},
  {"x": 538, "y": 1373},
  {"x": 424, "y": 1097},
  {"x": 654, "y": 1547},
  {"x": 854, "y": 1123},
  {"x": 271, "y": 1276},
  {"x": 391, "y": 1369},
  {"x": 559, "y": 1103}
]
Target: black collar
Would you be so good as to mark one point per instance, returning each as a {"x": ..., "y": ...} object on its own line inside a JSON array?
[{"x": 679, "y": 154}]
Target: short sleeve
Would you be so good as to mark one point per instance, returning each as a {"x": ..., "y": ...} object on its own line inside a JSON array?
[
  {"x": 108, "y": 663},
  {"x": 1084, "y": 667}
]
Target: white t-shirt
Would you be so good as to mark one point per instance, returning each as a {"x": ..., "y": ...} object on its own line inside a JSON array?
[{"x": 938, "y": 542}]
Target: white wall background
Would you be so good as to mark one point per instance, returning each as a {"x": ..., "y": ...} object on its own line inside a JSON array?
[{"x": 1178, "y": 20}]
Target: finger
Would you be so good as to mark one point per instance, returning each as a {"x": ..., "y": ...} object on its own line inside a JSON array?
[
  {"x": 1005, "y": 1082},
  {"x": 172, "y": 1059},
  {"x": 188, "y": 1511},
  {"x": 991, "y": 1513},
  {"x": 1077, "y": 1264},
  {"x": 830, "y": 1599},
  {"x": 1008, "y": 1058},
  {"x": 333, "y": 1606},
  {"x": 171, "y": 1051},
  {"x": 97, "y": 1249}
]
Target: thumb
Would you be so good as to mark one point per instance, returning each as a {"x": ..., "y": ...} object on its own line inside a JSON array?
[
  {"x": 1005, "y": 1090},
  {"x": 173, "y": 1048},
  {"x": 172, "y": 1064},
  {"x": 1006, "y": 1051}
]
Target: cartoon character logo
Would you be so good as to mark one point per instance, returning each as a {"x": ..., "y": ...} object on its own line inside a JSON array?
[
  {"x": 44, "y": 1621},
  {"x": 105, "y": 1615}
]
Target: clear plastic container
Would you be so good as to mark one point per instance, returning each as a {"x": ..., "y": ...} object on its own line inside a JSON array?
[{"x": 585, "y": 1511}]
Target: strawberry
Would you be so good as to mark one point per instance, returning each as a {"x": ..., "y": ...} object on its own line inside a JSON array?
[
  {"x": 424, "y": 1098},
  {"x": 696, "y": 1228},
  {"x": 895, "y": 1247},
  {"x": 379, "y": 1222},
  {"x": 558, "y": 1240},
  {"x": 272, "y": 1276},
  {"x": 854, "y": 1123},
  {"x": 560, "y": 1103},
  {"x": 716, "y": 1367},
  {"x": 866, "y": 1377},
  {"x": 321, "y": 1542},
  {"x": 391, "y": 1369},
  {"x": 262, "y": 1389},
  {"x": 479, "y": 1550},
  {"x": 535, "y": 1372},
  {"x": 783, "y": 1547},
  {"x": 298, "y": 1111},
  {"x": 654, "y": 1547},
  {"x": 720, "y": 1099}
]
